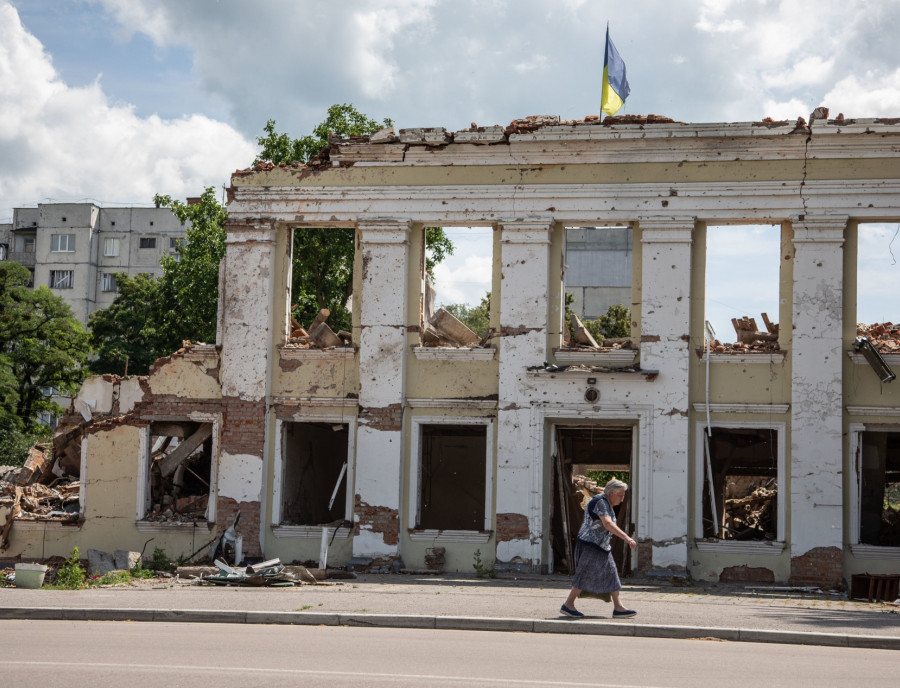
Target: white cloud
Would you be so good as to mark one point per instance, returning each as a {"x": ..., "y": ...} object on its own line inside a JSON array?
[
  {"x": 872, "y": 95},
  {"x": 791, "y": 109},
  {"x": 66, "y": 143},
  {"x": 811, "y": 70}
]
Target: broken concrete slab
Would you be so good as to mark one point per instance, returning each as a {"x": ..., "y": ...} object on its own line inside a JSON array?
[
  {"x": 125, "y": 560},
  {"x": 454, "y": 330},
  {"x": 100, "y": 563}
]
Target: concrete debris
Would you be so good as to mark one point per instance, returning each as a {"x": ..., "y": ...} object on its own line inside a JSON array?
[
  {"x": 444, "y": 329},
  {"x": 318, "y": 335},
  {"x": 749, "y": 338},
  {"x": 268, "y": 573},
  {"x": 885, "y": 337},
  {"x": 23, "y": 498}
]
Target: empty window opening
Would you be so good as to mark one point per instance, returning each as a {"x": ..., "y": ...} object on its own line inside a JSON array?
[
  {"x": 742, "y": 287},
  {"x": 62, "y": 243},
  {"x": 180, "y": 464},
  {"x": 878, "y": 274},
  {"x": 586, "y": 458},
  {"x": 322, "y": 287},
  {"x": 457, "y": 270},
  {"x": 452, "y": 477},
  {"x": 879, "y": 489},
  {"x": 315, "y": 473},
  {"x": 147, "y": 242},
  {"x": 744, "y": 466},
  {"x": 597, "y": 278},
  {"x": 61, "y": 279}
]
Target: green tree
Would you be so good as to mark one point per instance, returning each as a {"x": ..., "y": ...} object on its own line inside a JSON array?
[
  {"x": 344, "y": 120},
  {"x": 323, "y": 258},
  {"x": 151, "y": 317},
  {"x": 41, "y": 345},
  {"x": 476, "y": 318},
  {"x": 127, "y": 334},
  {"x": 615, "y": 323}
]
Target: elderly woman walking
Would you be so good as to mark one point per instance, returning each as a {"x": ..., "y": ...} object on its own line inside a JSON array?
[{"x": 595, "y": 570}]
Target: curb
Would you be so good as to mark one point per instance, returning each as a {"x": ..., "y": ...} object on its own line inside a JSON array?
[{"x": 456, "y": 623}]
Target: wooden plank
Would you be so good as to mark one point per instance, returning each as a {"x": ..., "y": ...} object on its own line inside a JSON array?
[{"x": 168, "y": 465}]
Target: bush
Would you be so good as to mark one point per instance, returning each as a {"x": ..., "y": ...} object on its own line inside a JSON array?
[{"x": 71, "y": 575}]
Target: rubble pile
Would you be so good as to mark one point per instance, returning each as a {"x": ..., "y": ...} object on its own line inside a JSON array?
[
  {"x": 318, "y": 335},
  {"x": 889, "y": 535},
  {"x": 39, "y": 490},
  {"x": 749, "y": 338},
  {"x": 885, "y": 337},
  {"x": 751, "y": 517}
]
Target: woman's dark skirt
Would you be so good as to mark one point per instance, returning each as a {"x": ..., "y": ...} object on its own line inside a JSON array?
[{"x": 595, "y": 569}]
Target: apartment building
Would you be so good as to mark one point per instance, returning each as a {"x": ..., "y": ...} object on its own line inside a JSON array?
[{"x": 75, "y": 249}]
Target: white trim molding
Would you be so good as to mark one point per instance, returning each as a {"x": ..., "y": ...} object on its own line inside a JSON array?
[
  {"x": 761, "y": 357},
  {"x": 174, "y": 527},
  {"x": 766, "y": 548},
  {"x": 887, "y": 411},
  {"x": 470, "y": 404},
  {"x": 766, "y": 409},
  {"x": 859, "y": 359},
  {"x": 415, "y": 460},
  {"x": 310, "y": 532},
  {"x": 431, "y": 535},
  {"x": 612, "y": 357},
  {"x": 446, "y": 353},
  {"x": 869, "y": 551},
  {"x": 295, "y": 353}
]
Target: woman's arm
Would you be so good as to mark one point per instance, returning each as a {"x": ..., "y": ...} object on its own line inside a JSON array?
[{"x": 613, "y": 528}]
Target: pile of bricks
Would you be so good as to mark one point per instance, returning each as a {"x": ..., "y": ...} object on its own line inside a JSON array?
[{"x": 884, "y": 336}]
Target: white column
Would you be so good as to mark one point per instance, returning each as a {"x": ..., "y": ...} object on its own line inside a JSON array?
[
  {"x": 524, "y": 253},
  {"x": 665, "y": 346},
  {"x": 246, "y": 305},
  {"x": 816, "y": 389},
  {"x": 382, "y": 374}
]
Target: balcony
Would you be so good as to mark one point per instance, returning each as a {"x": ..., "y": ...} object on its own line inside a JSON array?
[{"x": 26, "y": 258}]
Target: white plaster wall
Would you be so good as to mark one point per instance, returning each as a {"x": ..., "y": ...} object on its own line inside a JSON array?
[
  {"x": 247, "y": 305},
  {"x": 240, "y": 477},
  {"x": 816, "y": 394},
  {"x": 382, "y": 303},
  {"x": 665, "y": 324},
  {"x": 99, "y": 391},
  {"x": 524, "y": 256},
  {"x": 130, "y": 393}
]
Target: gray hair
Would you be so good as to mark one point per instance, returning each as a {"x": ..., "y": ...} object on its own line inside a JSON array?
[{"x": 614, "y": 485}]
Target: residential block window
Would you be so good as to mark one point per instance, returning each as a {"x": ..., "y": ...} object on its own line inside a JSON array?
[
  {"x": 148, "y": 242},
  {"x": 108, "y": 282},
  {"x": 62, "y": 243},
  {"x": 61, "y": 279},
  {"x": 452, "y": 478},
  {"x": 111, "y": 247},
  {"x": 173, "y": 242}
]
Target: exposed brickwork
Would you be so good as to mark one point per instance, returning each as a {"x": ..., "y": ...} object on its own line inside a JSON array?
[
  {"x": 248, "y": 526},
  {"x": 382, "y": 418},
  {"x": 379, "y": 519},
  {"x": 244, "y": 427},
  {"x": 746, "y": 574},
  {"x": 644, "y": 555},
  {"x": 821, "y": 566},
  {"x": 512, "y": 527}
]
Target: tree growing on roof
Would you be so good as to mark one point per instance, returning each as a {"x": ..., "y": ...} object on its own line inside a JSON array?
[
  {"x": 41, "y": 346},
  {"x": 151, "y": 317},
  {"x": 323, "y": 258}
]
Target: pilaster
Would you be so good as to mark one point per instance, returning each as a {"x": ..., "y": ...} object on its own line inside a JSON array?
[
  {"x": 382, "y": 366},
  {"x": 524, "y": 307},
  {"x": 665, "y": 346},
  {"x": 816, "y": 489}
]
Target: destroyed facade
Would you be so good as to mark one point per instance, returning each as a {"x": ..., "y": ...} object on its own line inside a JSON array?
[{"x": 764, "y": 464}]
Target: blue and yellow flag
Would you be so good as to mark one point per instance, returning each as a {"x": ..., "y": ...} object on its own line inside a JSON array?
[{"x": 615, "y": 85}]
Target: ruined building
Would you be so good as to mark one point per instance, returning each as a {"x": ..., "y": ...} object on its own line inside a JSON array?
[{"x": 406, "y": 442}]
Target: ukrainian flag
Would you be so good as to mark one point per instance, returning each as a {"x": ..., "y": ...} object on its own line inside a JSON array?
[{"x": 615, "y": 85}]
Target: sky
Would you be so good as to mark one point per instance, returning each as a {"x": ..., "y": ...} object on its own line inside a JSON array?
[{"x": 112, "y": 101}]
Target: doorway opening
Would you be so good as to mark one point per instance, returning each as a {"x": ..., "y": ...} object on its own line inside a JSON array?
[{"x": 584, "y": 460}]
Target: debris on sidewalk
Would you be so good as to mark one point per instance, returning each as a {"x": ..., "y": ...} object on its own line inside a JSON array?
[{"x": 271, "y": 573}]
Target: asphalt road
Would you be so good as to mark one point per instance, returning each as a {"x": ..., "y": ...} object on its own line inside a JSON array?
[{"x": 105, "y": 654}]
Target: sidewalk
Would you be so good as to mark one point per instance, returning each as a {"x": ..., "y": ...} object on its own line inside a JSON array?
[{"x": 507, "y": 603}]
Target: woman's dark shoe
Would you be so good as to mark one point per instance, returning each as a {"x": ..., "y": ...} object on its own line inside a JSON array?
[
  {"x": 623, "y": 615},
  {"x": 571, "y": 612}
]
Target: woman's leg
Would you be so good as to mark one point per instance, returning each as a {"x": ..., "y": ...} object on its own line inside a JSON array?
[{"x": 573, "y": 594}]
